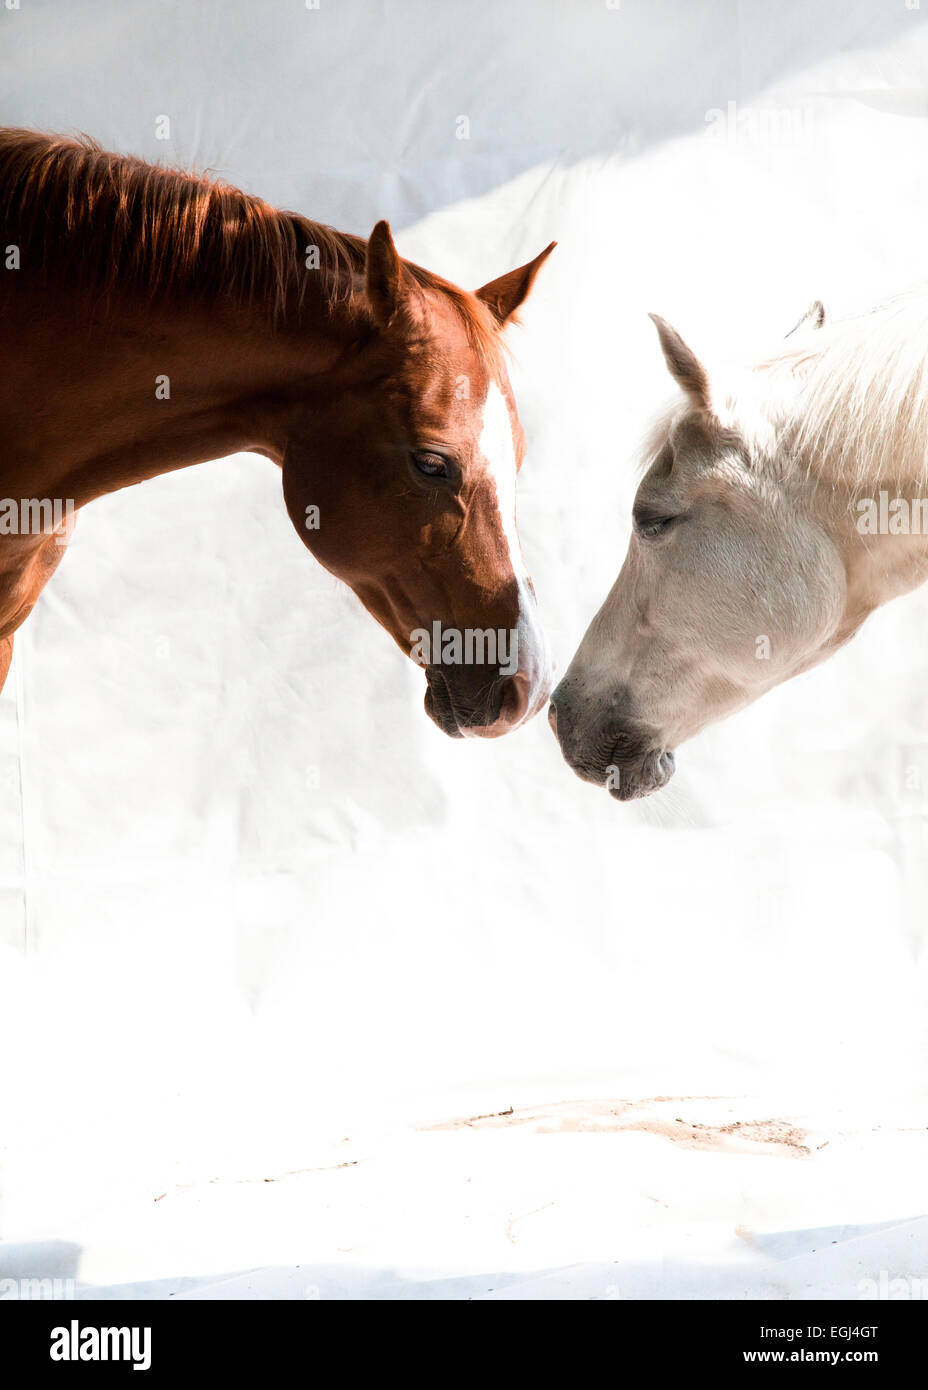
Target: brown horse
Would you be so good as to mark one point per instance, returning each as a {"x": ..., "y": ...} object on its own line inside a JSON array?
[{"x": 150, "y": 320}]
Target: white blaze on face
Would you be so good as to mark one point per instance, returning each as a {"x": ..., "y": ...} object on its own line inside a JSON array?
[{"x": 498, "y": 448}]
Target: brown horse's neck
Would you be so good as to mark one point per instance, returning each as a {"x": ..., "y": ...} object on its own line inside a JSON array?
[{"x": 94, "y": 399}]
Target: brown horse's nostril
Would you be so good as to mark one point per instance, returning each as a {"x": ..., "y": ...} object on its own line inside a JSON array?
[
  {"x": 552, "y": 717},
  {"x": 514, "y": 694}
]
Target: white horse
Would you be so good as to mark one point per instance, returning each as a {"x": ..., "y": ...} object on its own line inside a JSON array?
[{"x": 780, "y": 505}]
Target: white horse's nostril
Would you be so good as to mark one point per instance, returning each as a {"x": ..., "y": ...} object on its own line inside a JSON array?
[{"x": 666, "y": 765}]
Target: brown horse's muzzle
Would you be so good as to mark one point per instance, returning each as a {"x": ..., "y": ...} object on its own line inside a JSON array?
[
  {"x": 494, "y": 694},
  {"x": 483, "y": 704}
]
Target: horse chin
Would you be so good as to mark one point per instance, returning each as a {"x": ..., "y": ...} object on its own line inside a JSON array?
[
  {"x": 439, "y": 710},
  {"x": 643, "y": 777}
]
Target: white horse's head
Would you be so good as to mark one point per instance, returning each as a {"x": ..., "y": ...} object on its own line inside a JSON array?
[{"x": 732, "y": 583}]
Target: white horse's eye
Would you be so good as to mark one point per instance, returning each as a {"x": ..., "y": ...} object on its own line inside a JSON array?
[{"x": 648, "y": 529}]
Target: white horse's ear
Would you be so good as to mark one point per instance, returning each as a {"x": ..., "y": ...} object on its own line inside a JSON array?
[
  {"x": 814, "y": 317},
  {"x": 683, "y": 364}
]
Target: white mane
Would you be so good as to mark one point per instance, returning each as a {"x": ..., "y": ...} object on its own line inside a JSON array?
[{"x": 849, "y": 401}]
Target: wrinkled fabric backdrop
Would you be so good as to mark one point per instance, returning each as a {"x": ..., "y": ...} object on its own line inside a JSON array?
[{"x": 251, "y": 900}]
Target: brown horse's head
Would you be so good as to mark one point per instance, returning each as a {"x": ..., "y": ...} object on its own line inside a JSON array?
[{"x": 401, "y": 478}]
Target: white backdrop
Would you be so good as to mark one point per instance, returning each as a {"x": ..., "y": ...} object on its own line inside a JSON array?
[{"x": 254, "y": 906}]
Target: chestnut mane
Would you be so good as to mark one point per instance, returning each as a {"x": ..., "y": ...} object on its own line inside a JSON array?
[{"x": 87, "y": 218}]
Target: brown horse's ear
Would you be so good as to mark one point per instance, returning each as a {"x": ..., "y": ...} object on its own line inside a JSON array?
[
  {"x": 384, "y": 277},
  {"x": 683, "y": 364},
  {"x": 503, "y": 296}
]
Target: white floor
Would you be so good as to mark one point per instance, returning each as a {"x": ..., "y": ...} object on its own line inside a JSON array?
[{"x": 664, "y": 1198}]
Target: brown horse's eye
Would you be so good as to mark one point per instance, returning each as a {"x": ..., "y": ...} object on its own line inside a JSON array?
[{"x": 432, "y": 465}]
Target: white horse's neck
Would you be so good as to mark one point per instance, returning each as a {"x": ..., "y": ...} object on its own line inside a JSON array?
[{"x": 848, "y": 406}]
